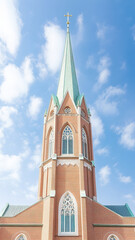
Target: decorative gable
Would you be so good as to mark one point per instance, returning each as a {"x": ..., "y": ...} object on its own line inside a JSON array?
[{"x": 67, "y": 106}]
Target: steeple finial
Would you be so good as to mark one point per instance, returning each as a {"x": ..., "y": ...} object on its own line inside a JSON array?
[{"x": 68, "y": 15}]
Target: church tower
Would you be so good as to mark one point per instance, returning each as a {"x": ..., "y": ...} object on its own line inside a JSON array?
[{"x": 67, "y": 172}]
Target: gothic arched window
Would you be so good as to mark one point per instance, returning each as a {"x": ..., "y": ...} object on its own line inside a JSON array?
[
  {"x": 67, "y": 141},
  {"x": 112, "y": 237},
  {"x": 68, "y": 215},
  {"x": 84, "y": 143},
  {"x": 21, "y": 237},
  {"x": 51, "y": 144}
]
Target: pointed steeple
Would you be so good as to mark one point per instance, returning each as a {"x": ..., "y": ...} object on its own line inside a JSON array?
[{"x": 68, "y": 80}]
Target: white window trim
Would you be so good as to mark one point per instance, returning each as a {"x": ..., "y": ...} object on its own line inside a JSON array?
[
  {"x": 21, "y": 234},
  {"x": 66, "y": 154},
  {"x": 76, "y": 217},
  {"x": 86, "y": 143},
  {"x": 50, "y": 155},
  {"x": 113, "y": 235}
]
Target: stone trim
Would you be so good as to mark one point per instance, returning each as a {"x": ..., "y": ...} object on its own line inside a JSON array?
[
  {"x": 83, "y": 193},
  {"x": 21, "y": 225},
  {"x": 67, "y": 162},
  {"x": 113, "y": 225},
  {"x": 48, "y": 165},
  {"x": 88, "y": 166},
  {"x": 52, "y": 193}
]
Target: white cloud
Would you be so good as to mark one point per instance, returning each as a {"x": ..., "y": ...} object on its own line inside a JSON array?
[
  {"x": 102, "y": 151},
  {"x": 104, "y": 72},
  {"x": 127, "y": 135},
  {"x": 104, "y": 174},
  {"x": 16, "y": 81},
  {"x": 52, "y": 51},
  {"x": 10, "y": 26},
  {"x": 124, "y": 179},
  {"x": 101, "y": 31},
  {"x": 13, "y": 166},
  {"x": 91, "y": 62},
  {"x": 34, "y": 106},
  {"x": 32, "y": 192},
  {"x": 133, "y": 32},
  {"x": 36, "y": 158},
  {"x": 79, "y": 35},
  {"x": 5, "y": 118},
  {"x": 104, "y": 102},
  {"x": 97, "y": 126}
]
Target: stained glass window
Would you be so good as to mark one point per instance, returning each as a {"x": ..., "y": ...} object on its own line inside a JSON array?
[
  {"x": 84, "y": 143},
  {"x": 51, "y": 144},
  {"x": 67, "y": 141},
  {"x": 67, "y": 212},
  {"x": 112, "y": 237},
  {"x": 21, "y": 237}
]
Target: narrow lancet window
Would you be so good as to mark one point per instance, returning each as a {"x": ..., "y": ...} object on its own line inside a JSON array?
[
  {"x": 84, "y": 144},
  {"x": 51, "y": 144},
  {"x": 68, "y": 215},
  {"x": 67, "y": 141}
]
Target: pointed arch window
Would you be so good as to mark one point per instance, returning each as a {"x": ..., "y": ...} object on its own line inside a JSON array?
[
  {"x": 67, "y": 141},
  {"x": 51, "y": 144},
  {"x": 112, "y": 237},
  {"x": 68, "y": 215},
  {"x": 84, "y": 144},
  {"x": 21, "y": 237}
]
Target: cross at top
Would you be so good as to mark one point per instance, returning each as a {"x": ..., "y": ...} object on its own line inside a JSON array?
[{"x": 68, "y": 15}]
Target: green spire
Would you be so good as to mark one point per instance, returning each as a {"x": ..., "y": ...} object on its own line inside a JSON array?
[{"x": 68, "y": 81}]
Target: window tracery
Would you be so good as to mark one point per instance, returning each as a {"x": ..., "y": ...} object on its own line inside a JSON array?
[
  {"x": 67, "y": 110},
  {"x": 21, "y": 237},
  {"x": 67, "y": 141},
  {"x": 112, "y": 237},
  {"x": 67, "y": 215},
  {"x": 84, "y": 144}
]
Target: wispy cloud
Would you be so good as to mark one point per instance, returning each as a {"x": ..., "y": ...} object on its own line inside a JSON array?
[
  {"x": 13, "y": 166},
  {"x": 13, "y": 163},
  {"x": 6, "y": 121},
  {"x": 104, "y": 174},
  {"x": 133, "y": 31},
  {"x": 97, "y": 126},
  {"x": 34, "y": 106},
  {"x": 16, "y": 81},
  {"x": 32, "y": 192},
  {"x": 10, "y": 27},
  {"x": 102, "y": 151},
  {"x": 123, "y": 66},
  {"x": 104, "y": 72},
  {"x": 124, "y": 179},
  {"x": 79, "y": 35},
  {"x": 103, "y": 69},
  {"x": 105, "y": 104},
  {"x": 102, "y": 29},
  {"x": 35, "y": 158},
  {"x": 127, "y": 135}
]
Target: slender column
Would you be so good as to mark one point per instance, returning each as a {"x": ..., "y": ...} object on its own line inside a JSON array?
[
  {"x": 52, "y": 202},
  {"x": 40, "y": 186},
  {"x": 82, "y": 186}
]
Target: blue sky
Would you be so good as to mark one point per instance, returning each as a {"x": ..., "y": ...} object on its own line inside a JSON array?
[{"x": 32, "y": 35}]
